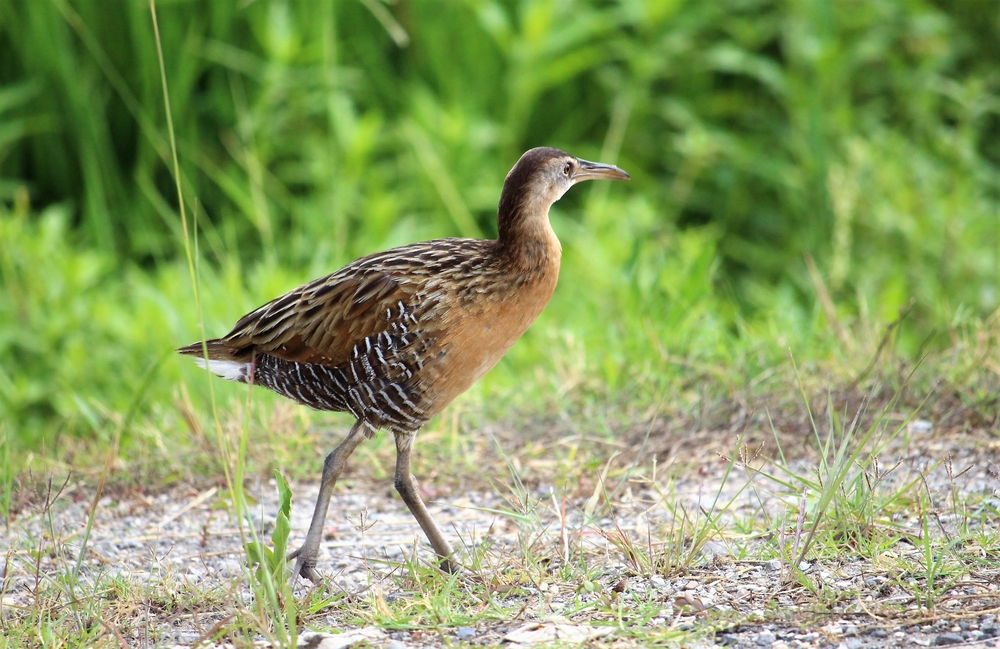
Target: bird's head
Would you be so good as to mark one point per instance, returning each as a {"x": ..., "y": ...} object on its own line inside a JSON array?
[
  {"x": 544, "y": 174},
  {"x": 540, "y": 178}
]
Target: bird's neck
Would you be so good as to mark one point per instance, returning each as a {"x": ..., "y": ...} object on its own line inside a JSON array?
[{"x": 527, "y": 242}]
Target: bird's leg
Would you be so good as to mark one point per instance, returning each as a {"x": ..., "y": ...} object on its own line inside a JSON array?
[
  {"x": 305, "y": 557},
  {"x": 407, "y": 487}
]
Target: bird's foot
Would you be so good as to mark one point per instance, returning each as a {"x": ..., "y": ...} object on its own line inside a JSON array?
[
  {"x": 449, "y": 566},
  {"x": 305, "y": 565}
]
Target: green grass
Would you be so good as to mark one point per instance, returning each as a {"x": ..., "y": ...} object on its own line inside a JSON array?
[
  {"x": 807, "y": 256},
  {"x": 801, "y": 172}
]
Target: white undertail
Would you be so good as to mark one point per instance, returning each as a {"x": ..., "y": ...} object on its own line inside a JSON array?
[{"x": 230, "y": 370}]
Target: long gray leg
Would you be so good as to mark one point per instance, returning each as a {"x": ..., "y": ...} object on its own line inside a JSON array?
[
  {"x": 407, "y": 487},
  {"x": 334, "y": 464}
]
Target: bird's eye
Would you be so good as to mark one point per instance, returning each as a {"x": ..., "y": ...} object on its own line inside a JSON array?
[{"x": 567, "y": 169}]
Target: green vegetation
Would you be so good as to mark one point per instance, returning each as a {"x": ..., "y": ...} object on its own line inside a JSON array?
[
  {"x": 802, "y": 170},
  {"x": 814, "y": 210}
]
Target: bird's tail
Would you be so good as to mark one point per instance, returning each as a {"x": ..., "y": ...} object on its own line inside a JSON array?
[
  {"x": 222, "y": 359},
  {"x": 217, "y": 350}
]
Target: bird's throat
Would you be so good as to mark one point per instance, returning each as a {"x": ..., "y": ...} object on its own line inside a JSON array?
[{"x": 528, "y": 244}]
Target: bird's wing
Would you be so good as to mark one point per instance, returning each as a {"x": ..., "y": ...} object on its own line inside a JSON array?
[{"x": 321, "y": 322}]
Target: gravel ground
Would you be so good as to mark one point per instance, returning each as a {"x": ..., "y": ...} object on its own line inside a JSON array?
[{"x": 184, "y": 541}]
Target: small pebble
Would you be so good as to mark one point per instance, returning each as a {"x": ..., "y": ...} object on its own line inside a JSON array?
[
  {"x": 773, "y": 565},
  {"x": 230, "y": 568},
  {"x": 765, "y": 639},
  {"x": 715, "y": 549},
  {"x": 465, "y": 632},
  {"x": 396, "y": 644},
  {"x": 879, "y": 633},
  {"x": 947, "y": 639},
  {"x": 728, "y": 639}
]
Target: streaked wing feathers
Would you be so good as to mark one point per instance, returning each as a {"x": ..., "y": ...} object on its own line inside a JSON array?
[{"x": 320, "y": 322}]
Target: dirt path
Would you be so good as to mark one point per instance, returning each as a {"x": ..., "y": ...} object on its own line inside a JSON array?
[{"x": 167, "y": 569}]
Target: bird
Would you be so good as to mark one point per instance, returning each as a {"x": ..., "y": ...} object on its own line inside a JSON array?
[{"x": 395, "y": 336}]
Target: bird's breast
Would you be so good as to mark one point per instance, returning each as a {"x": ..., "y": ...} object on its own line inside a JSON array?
[{"x": 483, "y": 324}]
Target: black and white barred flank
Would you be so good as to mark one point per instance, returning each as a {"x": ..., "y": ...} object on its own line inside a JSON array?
[{"x": 378, "y": 385}]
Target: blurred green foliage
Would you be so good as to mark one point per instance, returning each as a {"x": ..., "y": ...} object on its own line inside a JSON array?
[{"x": 763, "y": 136}]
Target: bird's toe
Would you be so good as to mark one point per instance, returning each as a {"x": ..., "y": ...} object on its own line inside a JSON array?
[{"x": 305, "y": 566}]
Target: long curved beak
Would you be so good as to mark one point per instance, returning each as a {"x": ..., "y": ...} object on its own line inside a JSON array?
[{"x": 595, "y": 170}]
